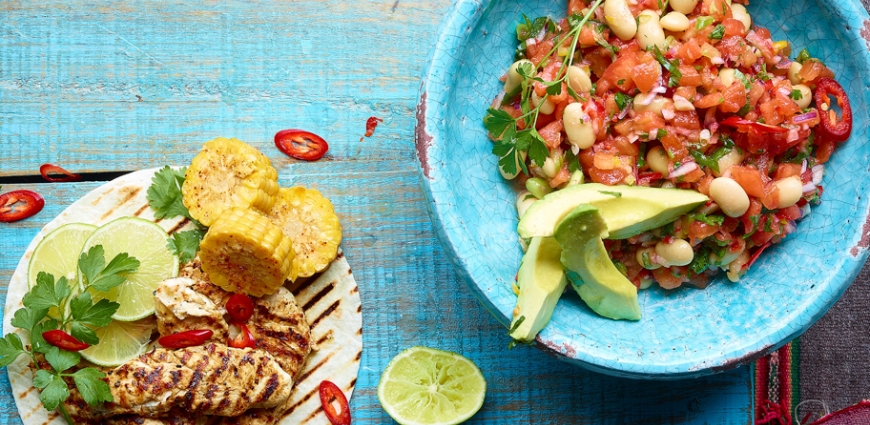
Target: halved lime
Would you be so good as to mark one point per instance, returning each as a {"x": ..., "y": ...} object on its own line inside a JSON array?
[
  {"x": 146, "y": 241},
  {"x": 120, "y": 342},
  {"x": 58, "y": 252},
  {"x": 425, "y": 386}
]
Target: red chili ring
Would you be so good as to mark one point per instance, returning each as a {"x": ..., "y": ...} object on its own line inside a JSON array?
[
  {"x": 831, "y": 128},
  {"x": 19, "y": 204},
  {"x": 301, "y": 144},
  {"x": 47, "y": 170},
  {"x": 330, "y": 392}
]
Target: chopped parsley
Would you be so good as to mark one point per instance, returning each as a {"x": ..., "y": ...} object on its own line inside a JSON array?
[
  {"x": 703, "y": 22},
  {"x": 713, "y": 220},
  {"x": 622, "y": 99},
  {"x": 607, "y": 192},
  {"x": 164, "y": 197},
  {"x": 718, "y": 32},
  {"x": 796, "y": 95},
  {"x": 803, "y": 56},
  {"x": 673, "y": 66}
]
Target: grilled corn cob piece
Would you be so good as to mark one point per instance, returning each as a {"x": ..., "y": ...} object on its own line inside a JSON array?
[
  {"x": 243, "y": 251},
  {"x": 228, "y": 173},
  {"x": 309, "y": 220}
]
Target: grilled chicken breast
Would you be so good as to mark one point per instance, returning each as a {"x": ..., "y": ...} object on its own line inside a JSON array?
[{"x": 209, "y": 380}]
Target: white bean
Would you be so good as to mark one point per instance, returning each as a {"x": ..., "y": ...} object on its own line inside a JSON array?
[
  {"x": 552, "y": 166},
  {"x": 790, "y": 191},
  {"x": 580, "y": 132},
  {"x": 677, "y": 253},
  {"x": 649, "y": 31},
  {"x": 547, "y": 108},
  {"x": 730, "y": 159},
  {"x": 730, "y": 196},
  {"x": 644, "y": 258},
  {"x": 579, "y": 80},
  {"x": 658, "y": 160},
  {"x": 675, "y": 21},
  {"x": 806, "y": 96},
  {"x": 727, "y": 76},
  {"x": 794, "y": 71},
  {"x": 667, "y": 184},
  {"x": 684, "y": 6},
  {"x": 619, "y": 18},
  {"x": 524, "y": 200},
  {"x": 656, "y": 105},
  {"x": 738, "y": 11},
  {"x": 513, "y": 77}
]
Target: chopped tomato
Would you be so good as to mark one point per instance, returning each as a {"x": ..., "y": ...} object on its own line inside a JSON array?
[
  {"x": 699, "y": 230},
  {"x": 538, "y": 51},
  {"x": 666, "y": 279},
  {"x": 786, "y": 170},
  {"x": 733, "y": 28},
  {"x": 19, "y": 204},
  {"x": 813, "y": 69},
  {"x": 609, "y": 177},
  {"x": 709, "y": 101},
  {"x": 749, "y": 179},
  {"x": 561, "y": 177},
  {"x": 647, "y": 73},
  {"x": 690, "y": 76},
  {"x": 735, "y": 97},
  {"x": 552, "y": 134}
]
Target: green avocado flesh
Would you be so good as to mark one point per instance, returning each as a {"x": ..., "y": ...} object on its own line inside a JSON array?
[
  {"x": 541, "y": 280},
  {"x": 627, "y": 210},
  {"x": 604, "y": 289}
]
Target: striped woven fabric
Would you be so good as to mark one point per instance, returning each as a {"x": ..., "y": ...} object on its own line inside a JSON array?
[{"x": 777, "y": 386}]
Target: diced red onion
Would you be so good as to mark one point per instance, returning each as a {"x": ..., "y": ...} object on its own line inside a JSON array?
[
  {"x": 776, "y": 59},
  {"x": 809, "y": 187},
  {"x": 531, "y": 42},
  {"x": 753, "y": 38},
  {"x": 624, "y": 113},
  {"x": 682, "y": 170},
  {"x": 806, "y": 210},
  {"x": 785, "y": 63},
  {"x": 660, "y": 90},
  {"x": 653, "y": 135},
  {"x": 804, "y": 166},
  {"x": 668, "y": 113},
  {"x": 717, "y": 60},
  {"x": 818, "y": 173},
  {"x": 647, "y": 99},
  {"x": 633, "y": 137},
  {"x": 575, "y": 149},
  {"x": 714, "y": 126},
  {"x": 793, "y": 135},
  {"x": 790, "y": 227},
  {"x": 498, "y": 100},
  {"x": 542, "y": 34},
  {"x": 784, "y": 91},
  {"x": 806, "y": 117}
]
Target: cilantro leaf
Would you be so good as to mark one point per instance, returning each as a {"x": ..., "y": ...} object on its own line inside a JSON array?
[
  {"x": 10, "y": 348},
  {"x": 699, "y": 262},
  {"x": 37, "y": 342},
  {"x": 61, "y": 360},
  {"x": 672, "y": 66},
  {"x": 743, "y": 79},
  {"x": 47, "y": 293},
  {"x": 497, "y": 121},
  {"x": 54, "y": 389},
  {"x": 538, "y": 151},
  {"x": 622, "y": 100},
  {"x": 92, "y": 262},
  {"x": 796, "y": 95},
  {"x": 105, "y": 277},
  {"x": 122, "y": 263},
  {"x": 713, "y": 220},
  {"x": 84, "y": 310},
  {"x": 703, "y": 22},
  {"x": 508, "y": 162},
  {"x": 554, "y": 89},
  {"x": 717, "y": 33},
  {"x": 83, "y": 333},
  {"x": 27, "y": 318},
  {"x": 803, "y": 56},
  {"x": 90, "y": 384},
  {"x": 164, "y": 194}
]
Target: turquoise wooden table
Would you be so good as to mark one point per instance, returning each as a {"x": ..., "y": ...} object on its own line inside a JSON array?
[{"x": 103, "y": 87}]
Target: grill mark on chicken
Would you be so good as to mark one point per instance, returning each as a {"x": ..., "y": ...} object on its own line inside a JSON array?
[
  {"x": 325, "y": 313},
  {"x": 317, "y": 297}
]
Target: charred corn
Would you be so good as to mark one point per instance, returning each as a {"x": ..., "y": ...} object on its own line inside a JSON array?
[
  {"x": 309, "y": 220},
  {"x": 228, "y": 173},
  {"x": 243, "y": 251}
]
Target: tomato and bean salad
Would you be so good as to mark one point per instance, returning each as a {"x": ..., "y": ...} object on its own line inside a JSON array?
[{"x": 687, "y": 94}]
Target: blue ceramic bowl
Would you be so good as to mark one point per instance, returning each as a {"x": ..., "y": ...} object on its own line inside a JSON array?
[{"x": 684, "y": 332}]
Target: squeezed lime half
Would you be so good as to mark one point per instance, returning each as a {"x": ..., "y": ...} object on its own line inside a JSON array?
[{"x": 425, "y": 386}]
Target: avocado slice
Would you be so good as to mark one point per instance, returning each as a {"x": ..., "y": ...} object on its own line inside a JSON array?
[
  {"x": 541, "y": 280},
  {"x": 627, "y": 210},
  {"x": 604, "y": 289}
]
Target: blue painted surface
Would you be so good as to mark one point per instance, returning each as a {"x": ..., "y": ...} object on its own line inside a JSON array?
[
  {"x": 70, "y": 74},
  {"x": 685, "y": 332}
]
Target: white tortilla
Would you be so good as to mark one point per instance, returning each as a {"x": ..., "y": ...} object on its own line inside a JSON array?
[{"x": 335, "y": 313}]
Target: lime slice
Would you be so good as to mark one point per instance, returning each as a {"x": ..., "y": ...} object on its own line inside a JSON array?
[
  {"x": 58, "y": 252},
  {"x": 120, "y": 342},
  {"x": 147, "y": 242},
  {"x": 424, "y": 386}
]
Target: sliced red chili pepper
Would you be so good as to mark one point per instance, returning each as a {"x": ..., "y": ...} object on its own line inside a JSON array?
[
  {"x": 755, "y": 255},
  {"x": 301, "y": 144},
  {"x": 50, "y": 170},
  {"x": 240, "y": 308},
  {"x": 244, "y": 339},
  {"x": 185, "y": 339},
  {"x": 19, "y": 204},
  {"x": 330, "y": 392},
  {"x": 63, "y": 340},
  {"x": 371, "y": 125},
  {"x": 833, "y": 128},
  {"x": 746, "y": 126}
]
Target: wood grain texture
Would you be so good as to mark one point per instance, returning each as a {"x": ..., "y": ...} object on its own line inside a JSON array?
[{"x": 105, "y": 86}]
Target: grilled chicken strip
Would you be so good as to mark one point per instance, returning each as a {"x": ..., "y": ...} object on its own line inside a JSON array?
[
  {"x": 207, "y": 380},
  {"x": 278, "y": 324}
]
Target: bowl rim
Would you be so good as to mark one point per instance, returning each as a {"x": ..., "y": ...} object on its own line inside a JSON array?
[{"x": 454, "y": 32}]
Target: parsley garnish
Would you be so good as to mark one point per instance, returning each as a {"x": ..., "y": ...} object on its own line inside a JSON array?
[
  {"x": 718, "y": 32},
  {"x": 803, "y": 56},
  {"x": 713, "y": 220},
  {"x": 699, "y": 262},
  {"x": 712, "y": 161},
  {"x": 622, "y": 99},
  {"x": 673, "y": 66},
  {"x": 607, "y": 192},
  {"x": 796, "y": 95},
  {"x": 703, "y": 22},
  {"x": 74, "y": 312},
  {"x": 754, "y": 220},
  {"x": 164, "y": 197}
]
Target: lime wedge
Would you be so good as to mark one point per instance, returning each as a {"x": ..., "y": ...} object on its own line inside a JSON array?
[
  {"x": 120, "y": 342},
  {"x": 58, "y": 252},
  {"x": 146, "y": 241},
  {"x": 424, "y": 386}
]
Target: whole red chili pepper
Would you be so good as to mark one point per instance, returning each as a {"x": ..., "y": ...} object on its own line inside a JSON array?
[
  {"x": 19, "y": 204},
  {"x": 185, "y": 339},
  {"x": 48, "y": 172},
  {"x": 330, "y": 392},
  {"x": 833, "y": 128},
  {"x": 63, "y": 340}
]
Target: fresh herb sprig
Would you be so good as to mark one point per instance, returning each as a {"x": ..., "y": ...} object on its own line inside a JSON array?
[
  {"x": 60, "y": 305},
  {"x": 165, "y": 198},
  {"x": 514, "y": 144}
]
